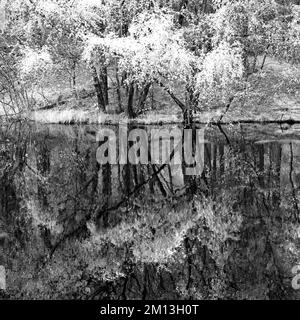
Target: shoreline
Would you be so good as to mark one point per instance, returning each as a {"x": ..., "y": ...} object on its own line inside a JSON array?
[{"x": 108, "y": 119}]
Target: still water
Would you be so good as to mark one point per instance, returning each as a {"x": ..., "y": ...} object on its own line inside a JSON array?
[{"x": 73, "y": 229}]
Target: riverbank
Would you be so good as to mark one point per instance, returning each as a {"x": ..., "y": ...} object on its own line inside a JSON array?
[{"x": 272, "y": 96}]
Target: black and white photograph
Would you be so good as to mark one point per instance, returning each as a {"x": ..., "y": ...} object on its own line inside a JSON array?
[{"x": 149, "y": 151}]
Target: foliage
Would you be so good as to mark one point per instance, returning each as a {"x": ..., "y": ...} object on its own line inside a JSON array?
[{"x": 206, "y": 47}]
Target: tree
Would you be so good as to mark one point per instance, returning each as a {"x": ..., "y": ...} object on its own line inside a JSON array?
[
  {"x": 155, "y": 51},
  {"x": 202, "y": 53}
]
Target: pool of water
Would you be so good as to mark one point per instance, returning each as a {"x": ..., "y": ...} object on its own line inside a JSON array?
[{"x": 71, "y": 227}]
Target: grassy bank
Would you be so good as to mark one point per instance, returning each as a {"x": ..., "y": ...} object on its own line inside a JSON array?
[{"x": 272, "y": 95}]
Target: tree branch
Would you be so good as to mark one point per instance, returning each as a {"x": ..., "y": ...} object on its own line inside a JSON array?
[
  {"x": 172, "y": 95},
  {"x": 226, "y": 110}
]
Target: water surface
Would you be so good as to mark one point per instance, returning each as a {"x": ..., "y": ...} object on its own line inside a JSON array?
[{"x": 76, "y": 229}]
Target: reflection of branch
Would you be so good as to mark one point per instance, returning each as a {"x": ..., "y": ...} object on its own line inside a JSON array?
[
  {"x": 160, "y": 185},
  {"x": 292, "y": 182},
  {"x": 168, "y": 184},
  {"x": 224, "y": 133},
  {"x": 270, "y": 243},
  {"x": 99, "y": 211},
  {"x": 38, "y": 176},
  {"x": 268, "y": 235},
  {"x": 136, "y": 189},
  {"x": 188, "y": 252},
  {"x": 75, "y": 198}
]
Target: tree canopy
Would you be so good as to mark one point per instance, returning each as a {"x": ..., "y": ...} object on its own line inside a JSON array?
[{"x": 208, "y": 47}]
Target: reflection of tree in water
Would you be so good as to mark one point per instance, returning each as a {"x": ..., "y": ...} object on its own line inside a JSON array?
[{"x": 131, "y": 232}]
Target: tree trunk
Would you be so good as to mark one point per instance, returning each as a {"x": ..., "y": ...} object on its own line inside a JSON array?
[
  {"x": 104, "y": 78},
  {"x": 143, "y": 97},
  {"x": 99, "y": 92},
  {"x": 129, "y": 112},
  {"x": 73, "y": 80},
  {"x": 244, "y": 41},
  {"x": 188, "y": 113},
  {"x": 188, "y": 117},
  {"x": 118, "y": 88}
]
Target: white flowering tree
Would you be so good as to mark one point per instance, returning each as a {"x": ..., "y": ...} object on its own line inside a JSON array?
[
  {"x": 156, "y": 51},
  {"x": 59, "y": 28},
  {"x": 286, "y": 36},
  {"x": 200, "y": 52},
  {"x": 152, "y": 52}
]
